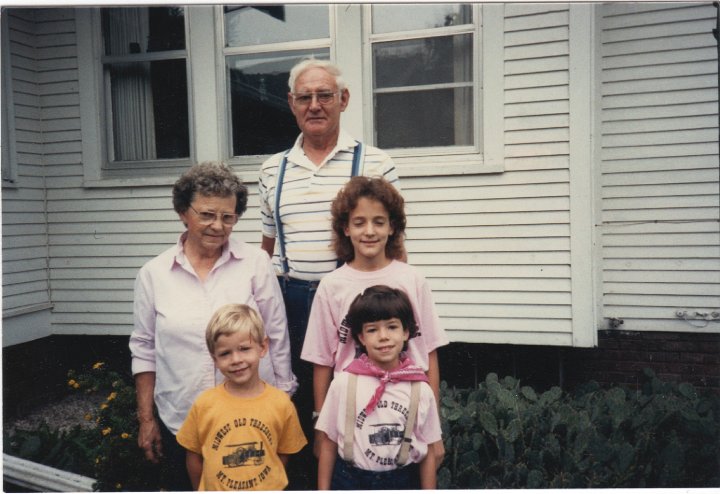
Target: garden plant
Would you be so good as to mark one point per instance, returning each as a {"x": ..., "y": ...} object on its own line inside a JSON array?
[{"x": 500, "y": 434}]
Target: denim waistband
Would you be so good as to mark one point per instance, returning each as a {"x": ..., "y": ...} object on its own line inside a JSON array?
[{"x": 296, "y": 283}]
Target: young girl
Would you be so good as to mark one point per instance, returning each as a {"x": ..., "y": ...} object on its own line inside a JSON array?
[
  {"x": 368, "y": 220},
  {"x": 380, "y": 414}
]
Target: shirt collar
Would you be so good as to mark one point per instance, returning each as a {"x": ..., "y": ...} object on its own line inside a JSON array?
[
  {"x": 231, "y": 248},
  {"x": 345, "y": 142}
]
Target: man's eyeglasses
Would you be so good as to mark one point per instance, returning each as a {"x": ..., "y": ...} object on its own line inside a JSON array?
[
  {"x": 207, "y": 217},
  {"x": 323, "y": 98}
]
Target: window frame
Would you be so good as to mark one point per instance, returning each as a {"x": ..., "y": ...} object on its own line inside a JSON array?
[
  {"x": 251, "y": 163},
  {"x": 210, "y": 128},
  {"x": 9, "y": 155},
  {"x": 475, "y": 31}
]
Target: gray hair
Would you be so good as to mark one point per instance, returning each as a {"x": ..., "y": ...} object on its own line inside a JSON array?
[
  {"x": 314, "y": 63},
  {"x": 209, "y": 179}
]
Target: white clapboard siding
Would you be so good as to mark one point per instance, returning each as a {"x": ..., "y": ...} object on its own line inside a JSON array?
[
  {"x": 659, "y": 163},
  {"x": 499, "y": 250},
  {"x": 25, "y": 243}
]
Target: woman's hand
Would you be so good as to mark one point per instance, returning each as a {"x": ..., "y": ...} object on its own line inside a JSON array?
[{"x": 149, "y": 439}]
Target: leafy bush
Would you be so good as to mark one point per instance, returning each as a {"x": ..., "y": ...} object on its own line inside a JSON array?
[
  {"x": 73, "y": 450},
  {"x": 500, "y": 435},
  {"x": 107, "y": 452},
  {"x": 504, "y": 435}
]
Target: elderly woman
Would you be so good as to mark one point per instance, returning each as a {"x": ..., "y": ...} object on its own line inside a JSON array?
[{"x": 177, "y": 292}]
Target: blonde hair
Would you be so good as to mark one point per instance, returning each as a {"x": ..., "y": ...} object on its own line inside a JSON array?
[{"x": 234, "y": 318}]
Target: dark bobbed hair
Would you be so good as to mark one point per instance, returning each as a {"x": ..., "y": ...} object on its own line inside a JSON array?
[
  {"x": 209, "y": 179},
  {"x": 346, "y": 201},
  {"x": 380, "y": 302}
]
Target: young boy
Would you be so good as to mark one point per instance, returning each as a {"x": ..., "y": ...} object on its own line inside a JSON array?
[
  {"x": 239, "y": 435},
  {"x": 380, "y": 414},
  {"x": 368, "y": 220}
]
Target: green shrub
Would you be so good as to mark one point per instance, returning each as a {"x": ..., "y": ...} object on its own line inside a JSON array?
[
  {"x": 504, "y": 435},
  {"x": 500, "y": 435}
]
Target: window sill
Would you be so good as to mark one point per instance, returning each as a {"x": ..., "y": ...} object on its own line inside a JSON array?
[{"x": 444, "y": 165}]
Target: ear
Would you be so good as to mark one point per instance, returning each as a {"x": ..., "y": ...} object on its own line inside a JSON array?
[
  {"x": 183, "y": 218},
  {"x": 344, "y": 99},
  {"x": 361, "y": 338},
  {"x": 346, "y": 230},
  {"x": 264, "y": 347}
]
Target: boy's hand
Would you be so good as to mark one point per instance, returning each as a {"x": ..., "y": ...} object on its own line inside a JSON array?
[{"x": 149, "y": 439}]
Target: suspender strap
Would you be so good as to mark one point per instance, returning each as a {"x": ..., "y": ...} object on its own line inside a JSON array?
[
  {"x": 357, "y": 162},
  {"x": 358, "y": 159},
  {"x": 350, "y": 418},
  {"x": 278, "y": 222},
  {"x": 404, "y": 453},
  {"x": 349, "y": 433}
]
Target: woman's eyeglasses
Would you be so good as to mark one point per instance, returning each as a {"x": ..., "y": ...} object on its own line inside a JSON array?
[{"x": 208, "y": 217}]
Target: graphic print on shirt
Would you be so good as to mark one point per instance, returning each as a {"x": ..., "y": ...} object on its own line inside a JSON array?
[
  {"x": 242, "y": 447},
  {"x": 243, "y": 454},
  {"x": 384, "y": 436}
]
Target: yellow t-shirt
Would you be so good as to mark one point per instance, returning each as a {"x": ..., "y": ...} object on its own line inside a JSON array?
[{"x": 240, "y": 438}]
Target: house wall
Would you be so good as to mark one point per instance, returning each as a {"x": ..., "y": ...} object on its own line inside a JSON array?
[
  {"x": 509, "y": 255},
  {"x": 659, "y": 164},
  {"x": 25, "y": 280}
]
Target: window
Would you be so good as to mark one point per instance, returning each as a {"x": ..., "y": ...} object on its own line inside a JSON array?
[
  {"x": 423, "y": 83},
  {"x": 261, "y": 44},
  {"x": 164, "y": 87},
  {"x": 145, "y": 79}
]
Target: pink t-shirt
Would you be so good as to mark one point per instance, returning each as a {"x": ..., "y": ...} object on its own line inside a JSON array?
[
  {"x": 328, "y": 340},
  {"x": 377, "y": 436}
]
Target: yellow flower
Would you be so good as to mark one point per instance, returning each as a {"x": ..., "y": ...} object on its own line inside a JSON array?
[
  {"x": 88, "y": 417},
  {"x": 118, "y": 485},
  {"x": 98, "y": 365},
  {"x": 125, "y": 435},
  {"x": 76, "y": 385},
  {"x": 97, "y": 460},
  {"x": 72, "y": 382},
  {"x": 107, "y": 431},
  {"x": 112, "y": 396},
  {"x": 103, "y": 406}
]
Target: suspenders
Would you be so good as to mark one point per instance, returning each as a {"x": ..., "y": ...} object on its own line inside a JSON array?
[
  {"x": 358, "y": 159},
  {"x": 350, "y": 410}
]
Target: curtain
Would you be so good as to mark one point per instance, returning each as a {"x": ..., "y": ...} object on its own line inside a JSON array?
[{"x": 127, "y": 32}]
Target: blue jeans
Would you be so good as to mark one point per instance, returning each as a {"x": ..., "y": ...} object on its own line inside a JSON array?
[
  {"x": 346, "y": 477},
  {"x": 298, "y": 296}
]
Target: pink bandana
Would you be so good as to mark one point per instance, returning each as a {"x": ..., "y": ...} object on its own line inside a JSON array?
[{"x": 406, "y": 371}]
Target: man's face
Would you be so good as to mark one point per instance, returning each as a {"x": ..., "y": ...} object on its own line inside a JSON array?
[{"x": 316, "y": 119}]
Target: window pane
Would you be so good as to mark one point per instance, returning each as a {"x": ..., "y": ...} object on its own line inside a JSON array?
[
  {"x": 142, "y": 30},
  {"x": 394, "y": 18},
  {"x": 256, "y": 25},
  {"x": 149, "y": 110},
  {"x": 439, "y": 117},
  {"x": 444, "y": 59},
  {"x": 260, "y": 116}
]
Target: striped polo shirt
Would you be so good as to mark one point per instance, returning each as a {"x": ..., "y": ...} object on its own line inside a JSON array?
[{"x": 307, "y": 192}]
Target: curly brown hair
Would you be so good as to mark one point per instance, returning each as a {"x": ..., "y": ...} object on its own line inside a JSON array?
[
  {"x": 209, "y": 179},
  {"x": 346, "y": 201}
]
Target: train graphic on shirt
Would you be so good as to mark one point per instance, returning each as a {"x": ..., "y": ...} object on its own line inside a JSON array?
[
  {"x": 386, "y": 434},
  {"x": 245, "y": 454}
]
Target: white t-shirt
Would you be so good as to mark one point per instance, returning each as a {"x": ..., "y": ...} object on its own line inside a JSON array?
[
  {"x": 377, "y": 437},
  {"x": 328, "y": 340}
]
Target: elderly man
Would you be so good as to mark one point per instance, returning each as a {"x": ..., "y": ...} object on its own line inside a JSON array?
[{"x": 296, "y": 188}]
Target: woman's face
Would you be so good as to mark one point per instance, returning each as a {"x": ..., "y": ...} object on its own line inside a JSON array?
[{"x": 204, "y": 235}]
